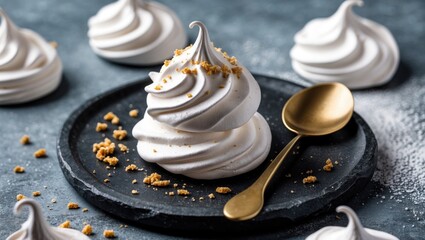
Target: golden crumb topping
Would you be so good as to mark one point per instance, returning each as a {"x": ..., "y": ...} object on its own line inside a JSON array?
[
  {"x": 183, "y": 192},
  {"x": 36, "y": 193},
  {"x": 18, "y": 169},
  {"x": 109, "y": 233},
  {"x": 73, "y": 205},
  {"x": 25, "y": 140},
  {"x": 189, "y": 95},
  {"x": 158, "y": 87},
  {"x": 223, "y": 190},
  {"x": 152, "y": 178},
  {"x": 187, "y": 70},
  {"x": 101, "y": 127},
  {"x": 309, "y": 179},
  {"x": 131, "y": 167},
  {"x": 133, "y": 113},
  {"x": 328, "y": 165},
  {"x": 122, "y": 147},
  {"x": 87, "y": 230},
  {"x": 19, "y": 197},
  {"x": 40, "y": 153},
  {"x": 120, "y": 134},
  {"x": 66, "y": 224},
  {"x": 237, "y": 71},
  {"x": 112, "y": 161},
  {"x": 161, "y": 183},
  {"x": 167, "y": 62}
]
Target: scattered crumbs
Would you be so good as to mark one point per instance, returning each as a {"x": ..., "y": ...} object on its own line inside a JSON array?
[
  {"x": 103, "y": 149},
  {"x": 134, "y": 181},
  {"x": 292, "y": 191},
  {"x": 201, "y": 198},
  {"x": 182, "y": 192},
  {"x": 73, "y": 205},
  {"x": 158, "y": 87},
  {"x": 309, "y": 179},
  {"x": 18, "y": 169},
  {"x": 237, "y": 71},
  {"x": 170, "y": 193},
  {"x": 112, "y": 161},
  {"x": 309, "y": 172},
  {"x": 109, "y": 233},
  {"x": 40, "y": 153},
  {"x": 25, "y": 140},
  {"x": 53, "y": 200},
  {"x": 108, "y": 167},
  {"x": 211, "y": 195},
  {"x": 101, "y": 127},
  {"x": 19, "y": 197},
  {"x": 328, "y": 166},
  {"x": 94, "y": 171},
  {"x": 193, "y": 199},
  {"x": 36, "y": 194},
  {"x": 85, "y": 210},
  {"x": 336, "y": 162},
  {"x": 119, "y": 134},
  {"x": 161, "y": 183},
  {"x": 109, "y": 174},
  {"x": 152, "y": 178},
  {"x": 167, "y": 62},
  {"x": 106, "y": 180},
  {"x": 110, "y": 116},
  {"x": 87, "y": 230},
  {"x": 133, "y": 113},
  {"x": 134, "y": 192},
  {"x": 175, "y": 185},
  {"x": 131, "y": 167},
  {"x": 288, "y": 175},
  {"x": 189, "y": 95},
  {"x": 223, "y": 190},
  {"x": 66, "y": 224}
]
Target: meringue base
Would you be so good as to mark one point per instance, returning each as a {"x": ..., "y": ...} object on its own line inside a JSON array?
[{"x": 210, "y": 155}]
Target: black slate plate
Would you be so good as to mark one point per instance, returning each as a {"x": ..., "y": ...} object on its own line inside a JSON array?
[{"x": 288, "y": 199}]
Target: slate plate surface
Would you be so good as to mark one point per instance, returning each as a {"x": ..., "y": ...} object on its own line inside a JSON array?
[{"x": 288, "y": 199}]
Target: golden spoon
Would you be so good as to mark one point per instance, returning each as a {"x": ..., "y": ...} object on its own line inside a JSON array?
[{"x": 315, "y": 111}]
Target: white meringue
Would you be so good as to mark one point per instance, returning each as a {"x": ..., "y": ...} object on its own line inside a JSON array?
[
  {"x": 202, "y": 118},
  {"x": 30, "y": 67},
  {"x": 345, "y": 48},
  {"x": 354, "y": 230},
  {"x": 36, "y": 227},
  {"x": 135, "y": 32}
]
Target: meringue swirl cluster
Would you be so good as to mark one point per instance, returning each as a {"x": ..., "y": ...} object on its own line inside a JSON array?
[
  {"x": 202, "y": 118},
  {"x": 30, "y": 67},
  {"x": 354, "y": 230},
  {"x": 135, "y": 32},
  {"x": 345, "y": 48},
  {"x": 36, "y": 226}
]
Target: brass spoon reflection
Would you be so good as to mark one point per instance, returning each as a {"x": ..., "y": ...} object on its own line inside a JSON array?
[{"x": 315, "y": 111}]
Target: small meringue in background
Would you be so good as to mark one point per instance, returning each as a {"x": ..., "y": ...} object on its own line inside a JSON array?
[
  {"x": 345, "y": 48},
  {"x": 30, "y": 67},
  {"x": 354, "y": 230},
  {"x": 136, "y": 32},
  {"x": 36, "y": 227}
]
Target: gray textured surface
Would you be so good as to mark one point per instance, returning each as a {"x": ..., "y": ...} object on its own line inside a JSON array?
[{"x": 260, "y": 34}]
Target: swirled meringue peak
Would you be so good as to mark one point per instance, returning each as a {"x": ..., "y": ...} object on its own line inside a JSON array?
[
  {"x": 36, "y": 227},
  {"x": 353, "y": 231},
  {"x": 202, "y": 118},
  {"x": 345, "y": 48},
  {"x": 135, "y": 32},
  {"x": 30, "y": 67}
]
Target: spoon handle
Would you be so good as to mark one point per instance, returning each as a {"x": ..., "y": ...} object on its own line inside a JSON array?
[{"x": 248, "y": 204}]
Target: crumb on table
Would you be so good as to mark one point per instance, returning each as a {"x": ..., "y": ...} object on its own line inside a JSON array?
[
  {"x": 87, "y": 229},
  {"x": 122, "y": 147},
  {"x": 152, "y": 178},
  {"x": 54, "y": 44},
  {"x": 171, "y": 193},
  {"x": 134, "y": 181},
  {"x": 161, "y": 183},
  {"x": 40, "y": 153},
  {"x": 110, "y": 116},
  {"x": 36, "y": 193},
  {"x": 119, "y": 134},
  {"x": 19, "y": 197},
  {"x": 109, "y": 233},
  {"x": 131, "y": 167},
  {"x": 309, "y": 179},
  {"x": 223, "y": 190},
  {"x": 73, "y": 205},
  {"x": 101, "y": 127},
  {"x": 112, "y": 161},
  {"x": 134, "y": 192},
  {"x": 328, "y": 165},
  {"x": 18, "y": 169},
  {"x": 107, "y": 143},
  {"x": 211, "y": 195},
  {"x": 183, "y": 192},
  {"x": 134, "y": 113},
  {"x": 66, "y": 224},
  {"x": 85, "y": 210},
  {"x": 25, "y": 140}
]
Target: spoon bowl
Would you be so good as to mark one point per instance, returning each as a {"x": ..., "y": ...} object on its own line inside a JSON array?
[{"x": 315, "y": 111}]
